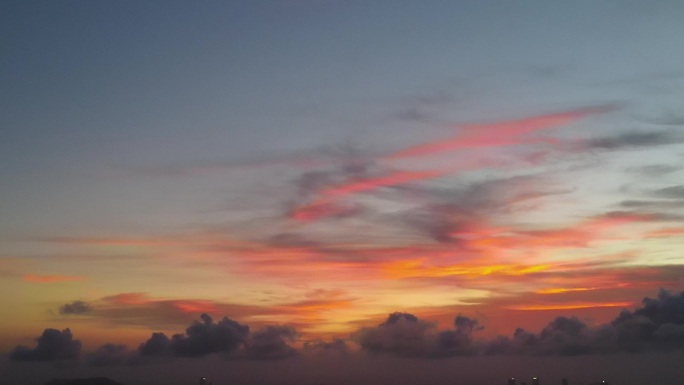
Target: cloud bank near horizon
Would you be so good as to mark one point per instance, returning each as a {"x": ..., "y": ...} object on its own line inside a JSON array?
[{"x": 658, "y": 325}]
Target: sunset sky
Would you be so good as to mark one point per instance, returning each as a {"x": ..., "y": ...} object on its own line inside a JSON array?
[{"x": 308, "y": 167}]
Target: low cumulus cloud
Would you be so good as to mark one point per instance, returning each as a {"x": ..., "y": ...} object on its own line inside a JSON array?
[
  {"x": 53, "y": 345},
  {"x": 336, "y": 346},
  {"x": 111, "y": 355},
  {"x": 403, "y": 334},
  {"x": 76, "y": 307},
  {"x": 157, "y": 345},
  {"x": 271, "y": 343},
  {"x": 657, "y": 326},
  {"x": 200, "y": 339}
]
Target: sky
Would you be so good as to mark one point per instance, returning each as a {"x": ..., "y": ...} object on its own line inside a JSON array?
[{"x": 374, "y": 184}]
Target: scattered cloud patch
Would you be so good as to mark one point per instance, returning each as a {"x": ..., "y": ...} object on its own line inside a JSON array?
[{"x": 76, "y": 307}]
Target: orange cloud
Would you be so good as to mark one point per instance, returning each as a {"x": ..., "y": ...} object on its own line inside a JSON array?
[
  {"x": 51, "y": 278},
  {"x": 128, "y": 299},
  {"x": 571, "y": 306},
  {"x": 663, "y": 233},
  {"x": 194, "y": 306},
  {"x": 421, "y": 268}
]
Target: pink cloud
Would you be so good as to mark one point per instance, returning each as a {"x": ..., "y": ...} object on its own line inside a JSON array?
[{"x": 499, "y": 134}]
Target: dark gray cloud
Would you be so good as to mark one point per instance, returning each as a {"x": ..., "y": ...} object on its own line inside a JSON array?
[
  {"x": 459, "y": 341},
  {"x": 403, "y": 334},
  {"x": 157, "y": 345},
  {"x": 207, "y": 337},
  {"x": 564, "y": 336},
  {"x": 76, "y": 307},
  {"x": 200, "y": 339},
  {"x": 657, "y": 326},
  {"x": 270, "y": 343},
  {"x": 110, "y": 355},
  {"x": 337, "y": 346},
  {"x": 634, "y": 139},
  {"x": 53, "y": 345}
]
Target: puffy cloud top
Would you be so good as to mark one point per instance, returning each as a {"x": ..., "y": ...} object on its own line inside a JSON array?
[
  {"x": 200, "y": 339},
  {"x": 52, "y": 345}
]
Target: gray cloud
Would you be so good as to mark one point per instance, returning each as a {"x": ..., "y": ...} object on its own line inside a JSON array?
[
  {"x": 53, "y": 345},
  {"x": 651, "y": 204},
  {"x": 657, "y": 326},
  {"x": 325, "y": 347},
  {"x": 459, "y": 341},
  {"x": 110, "y": 355},
  {"x": 634, "y": 139},
  {"x": 156, "y": 346},
  {"x": 654, "y": 170},
  {"x": 207, "y": 337},
  {"x": 270, "y": 343},
  {"x": 76, "y": 307},
  {"x": 200, "y": 339},
  {"x": 672, "y": 192},
  {"x": 403, "y": 334}
]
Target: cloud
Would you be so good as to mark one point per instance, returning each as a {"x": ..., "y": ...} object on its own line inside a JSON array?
[
  {"x": 656, "y": 326},
  {"x": 51, "y": 278},
  {"x": 505, "y": 133},
  {"x": 651, "y": 204},
  {"x": 654, "y": 170},
  {"x": 459, "y": 341},
  {"x": 200, "y": 339},
  {"x": 270, "y": 343},
  {"x": 336, "y": 346},
  {"x": 76, "y": 307},
  {"x": 562, "y": 336},
  {"x": 401, "y": 334},
  {"x": 672, "y": 192},
  {"x": 207, "y": 337},
  {"x": 633, "y": 140},
  {"x": 53, "y": 345},
  {"x": 111, "y": 355},
  {"x": 158, "y": 345}
]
